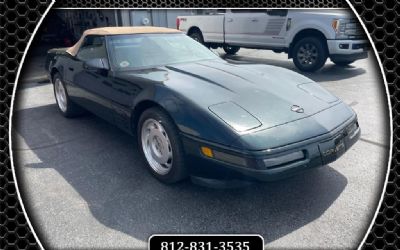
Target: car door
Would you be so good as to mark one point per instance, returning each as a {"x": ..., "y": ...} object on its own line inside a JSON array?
[
  {"x": 89, "y": 87},
  {"x": 127, "y": 82},
  {"x": 255, "y": 27}
]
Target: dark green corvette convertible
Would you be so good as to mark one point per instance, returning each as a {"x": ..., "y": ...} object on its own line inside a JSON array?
[{"x": 196, "y": 114}]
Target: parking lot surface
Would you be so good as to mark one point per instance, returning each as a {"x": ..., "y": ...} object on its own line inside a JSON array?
[{"x": 84, "y": 184}]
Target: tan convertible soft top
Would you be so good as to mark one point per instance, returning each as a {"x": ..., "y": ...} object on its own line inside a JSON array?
[{"x": 118, "y": 31}]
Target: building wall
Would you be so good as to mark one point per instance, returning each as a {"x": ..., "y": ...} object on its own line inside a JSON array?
[
  {"x": 79, "y": 20},
  {"x": 154, "y": 17}
]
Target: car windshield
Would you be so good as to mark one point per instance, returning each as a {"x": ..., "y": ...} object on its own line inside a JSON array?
[{"x": 150, "y": 50}]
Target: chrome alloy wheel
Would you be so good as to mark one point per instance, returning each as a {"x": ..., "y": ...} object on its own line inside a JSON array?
[
  {"x": 307, "y": 54},
  {"x": 61, "y": 95},
  {"x": 156, "y": 146}
]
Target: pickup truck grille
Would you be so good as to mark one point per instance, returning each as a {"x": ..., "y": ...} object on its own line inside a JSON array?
[{"x": 354, "y": 30}]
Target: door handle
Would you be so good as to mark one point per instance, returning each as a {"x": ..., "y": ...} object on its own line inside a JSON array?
[
  {"x": 254, "y": 20},
  {"x": 71, "y": 69},
  {"x": 229, "y": 19}
]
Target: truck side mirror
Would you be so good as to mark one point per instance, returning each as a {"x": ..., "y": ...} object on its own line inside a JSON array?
[{"x": 96, "y": 64}]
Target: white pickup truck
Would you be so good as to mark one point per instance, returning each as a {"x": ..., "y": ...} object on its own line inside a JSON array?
[{"x": 308, "y": 36}]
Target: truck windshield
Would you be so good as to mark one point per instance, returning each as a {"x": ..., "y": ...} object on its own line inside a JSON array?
[{"x": 150, "y": 50}]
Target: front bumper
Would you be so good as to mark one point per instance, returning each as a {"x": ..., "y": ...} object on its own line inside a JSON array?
[
  {"x": 349, "y": 50},
  {"x": 316, "y": 151}
]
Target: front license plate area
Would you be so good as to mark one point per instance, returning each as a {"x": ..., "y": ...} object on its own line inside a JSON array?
[{"x": 332, "y": 149}]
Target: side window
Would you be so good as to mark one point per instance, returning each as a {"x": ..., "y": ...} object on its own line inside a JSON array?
[
  {"x": 277, "y": 12},
  {"x": 92, "y": 47}
]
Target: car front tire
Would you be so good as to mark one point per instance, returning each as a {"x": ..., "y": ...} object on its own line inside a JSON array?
[
  {"x": 309, "y": 54},
  {"x": 160, "y": 146},
  {"x": 67, "y": 107}
]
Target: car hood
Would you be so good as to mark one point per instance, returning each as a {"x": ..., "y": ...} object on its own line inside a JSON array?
[{"x": 249, "y": 97}]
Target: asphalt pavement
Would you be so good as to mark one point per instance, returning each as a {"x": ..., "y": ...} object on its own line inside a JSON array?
[{"x": 84, "y": 184}]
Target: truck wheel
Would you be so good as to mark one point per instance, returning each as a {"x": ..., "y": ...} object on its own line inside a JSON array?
[
  {"x": 159, "y": 143},
  {"x": 197, "y": 36},
  {"x": 231, "y": 50},
  {"x": 342, "y": 63},
  {"x": 309, "y": 54},
  {"x": 65, "y": 105}
]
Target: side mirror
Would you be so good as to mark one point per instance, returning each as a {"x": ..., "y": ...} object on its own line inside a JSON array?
[{"x": 96, "y": 64}]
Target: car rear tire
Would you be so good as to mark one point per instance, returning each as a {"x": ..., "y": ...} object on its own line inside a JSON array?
[
  {"x": 197, "y": 36},
  {"x": 309, "y": 54},
  {"x": 342, "y": 63},
  {"x": 231, "y": 50},
  {"x": 160, "y": 146},
  {"x": 67, "y": 107}
]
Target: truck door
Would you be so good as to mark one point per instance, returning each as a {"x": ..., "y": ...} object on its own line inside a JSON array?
[{"x": 256, "y": 27}]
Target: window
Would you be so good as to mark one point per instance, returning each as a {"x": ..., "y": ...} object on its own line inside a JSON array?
[
  {"x": 141, "y": 51},
  {"x": 211, "y": 12},
  {"x": 277, "y": 12},
  {"x": 92, "y": 47}
]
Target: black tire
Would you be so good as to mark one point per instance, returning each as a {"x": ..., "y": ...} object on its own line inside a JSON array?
[
  {"x": 317, "y": 57},
  {"x": 342, "y": 63},
  {"x": 231, "y": 50},
  {"x": 197, "y": 36},
  {"x": 178, "y": 171},
  {"x": 71, "y": 109}
]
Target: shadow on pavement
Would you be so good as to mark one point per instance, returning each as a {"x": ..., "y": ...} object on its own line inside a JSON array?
[
  {"x": 103, "y": 165},
  {"x": 330, "y": 72}
]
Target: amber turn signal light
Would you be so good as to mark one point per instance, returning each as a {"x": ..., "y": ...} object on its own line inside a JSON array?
[{"x": 207, "y": 152}]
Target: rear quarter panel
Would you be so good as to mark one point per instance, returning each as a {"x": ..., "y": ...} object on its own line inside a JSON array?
[{"x": 61, "y": 63}]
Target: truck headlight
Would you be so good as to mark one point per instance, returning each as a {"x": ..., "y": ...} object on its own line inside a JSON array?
[{"x": 339, "y": 26}]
